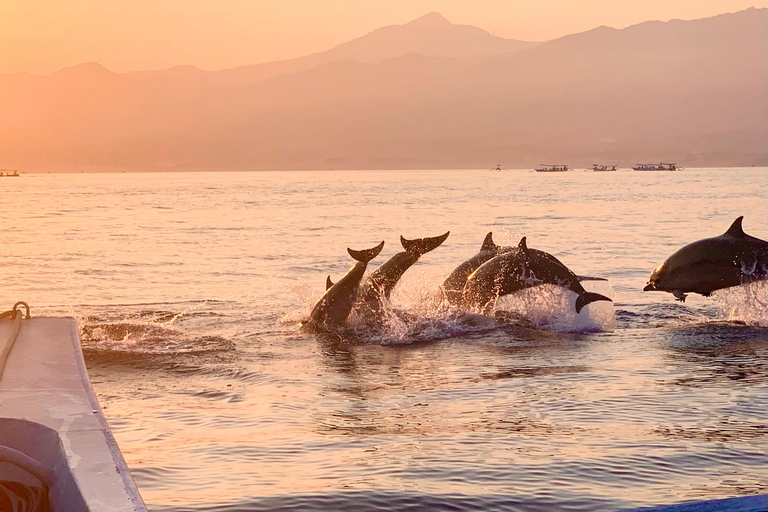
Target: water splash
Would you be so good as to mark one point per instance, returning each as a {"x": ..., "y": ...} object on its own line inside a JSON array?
[
  {"x": 305, "y": 292},
  {"x": 402, "y": 327},
  {"x": 552, "y": 308},
  {"x": 419, "y": 313},
  {"x": 169, "y": 320},
  {"x": 747, "y": 303}
]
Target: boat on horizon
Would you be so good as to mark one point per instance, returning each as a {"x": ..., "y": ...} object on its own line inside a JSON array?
[
  {"x": 661, "y": 166},
  {"x": 603, "y": 168},
  {"x": 9, "y": 173},
  {"x": 552, "y": 168}
]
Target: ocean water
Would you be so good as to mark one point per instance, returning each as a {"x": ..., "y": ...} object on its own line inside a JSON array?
[{"x": 189, "y": 289}]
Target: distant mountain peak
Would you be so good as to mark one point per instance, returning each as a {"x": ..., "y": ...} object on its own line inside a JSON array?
[
  {"x": 90, "y": 66},
  {"x": 86, "y": 68},
  {"x": 429, "y": 20}
]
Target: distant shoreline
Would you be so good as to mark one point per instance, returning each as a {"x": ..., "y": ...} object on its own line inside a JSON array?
[{"x": 489, "y": 170}]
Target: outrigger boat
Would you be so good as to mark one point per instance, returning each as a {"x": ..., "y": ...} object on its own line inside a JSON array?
[
  {"x": 9, "y": 173},
  {"x": 661, "y": 166},
  {"x": 552, "y": 168},
  {"x": 603, "y": 168},
  {"x": 57, "y": 453}
]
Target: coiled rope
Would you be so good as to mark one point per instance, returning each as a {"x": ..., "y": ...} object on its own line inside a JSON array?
[
  {"x": 15, "y": 315},
  {"x": 43, "y": 473}
]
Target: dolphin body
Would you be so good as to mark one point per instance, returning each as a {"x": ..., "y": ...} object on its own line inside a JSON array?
[
  {"x": 378, "y": 287},
  {"x": 518, "y": 269},
  {"x": 334, "y": 306},
  {"x": 454, "y": 284},
  {"x": 704, "y": 266}
]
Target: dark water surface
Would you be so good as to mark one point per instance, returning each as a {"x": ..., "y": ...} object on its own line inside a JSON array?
[{"x": 188, "y": 289}]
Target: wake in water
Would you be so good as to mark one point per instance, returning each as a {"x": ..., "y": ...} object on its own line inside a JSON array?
[
  {"x": 148, "y": 331},
  {"x": 146, "y": 338}
]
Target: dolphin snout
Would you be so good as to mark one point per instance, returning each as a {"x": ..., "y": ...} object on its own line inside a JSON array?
[{"x": 651, "y": 286}]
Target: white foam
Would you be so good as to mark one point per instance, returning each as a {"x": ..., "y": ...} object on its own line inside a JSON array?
[{"x": 553, "y": 308}]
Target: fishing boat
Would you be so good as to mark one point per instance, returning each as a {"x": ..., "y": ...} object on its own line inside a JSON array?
[
  {"x": 552, "y": 168},
  {"x": 603, "y": 168},
  {"x": 9, "y": 173},
  {"x": 661, "y": 166},
  {"x": 57, "y": 453}
]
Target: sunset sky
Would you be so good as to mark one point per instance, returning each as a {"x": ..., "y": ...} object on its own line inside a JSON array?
[{"x": 41, "y": 36}]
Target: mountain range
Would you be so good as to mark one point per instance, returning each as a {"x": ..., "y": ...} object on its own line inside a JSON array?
[{"x": 427, "y": 94}]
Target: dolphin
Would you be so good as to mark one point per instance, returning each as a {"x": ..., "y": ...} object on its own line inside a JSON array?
[
  {"x": 334, "y": 306},
  {"x": 382, "y": 281},
  {"x": 704, "y": 266},
  {"x": 518, "y": 269},
  {"x": 453, "y": 285}
]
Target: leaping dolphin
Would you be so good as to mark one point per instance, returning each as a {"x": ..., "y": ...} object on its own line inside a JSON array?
[
  {"x": 518, "y": 269},
  {"x": 381, "y": 282},
  {"x": 704, "y": 266},
  {"x": 454, "y": 284},
  {"x": 334, "y": 306}
]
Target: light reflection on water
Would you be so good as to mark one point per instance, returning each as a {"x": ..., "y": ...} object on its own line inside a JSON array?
[{"x": 188, "y": 289}]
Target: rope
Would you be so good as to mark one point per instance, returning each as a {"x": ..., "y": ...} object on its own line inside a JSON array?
[
  {"x": 14, "y": 314},
  {"x": 46, "y": 475}
]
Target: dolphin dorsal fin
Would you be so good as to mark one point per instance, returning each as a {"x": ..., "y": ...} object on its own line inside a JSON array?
[
  {"x": 736, "y": 230},
  {"x": 328, "y": 282},
  {"x": 488, "y": 244},
  {"x": 523, "y": 246}
]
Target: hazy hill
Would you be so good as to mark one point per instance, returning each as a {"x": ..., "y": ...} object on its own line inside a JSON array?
[
  {"x": 430, "y": 35},
  {"x": 424, "y": 94}
]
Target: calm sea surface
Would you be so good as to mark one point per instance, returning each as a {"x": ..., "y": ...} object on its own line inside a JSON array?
[{"x": 189, "y": 288}]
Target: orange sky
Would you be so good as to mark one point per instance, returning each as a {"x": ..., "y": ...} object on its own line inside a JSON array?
[{"x": 41, "y": 36}]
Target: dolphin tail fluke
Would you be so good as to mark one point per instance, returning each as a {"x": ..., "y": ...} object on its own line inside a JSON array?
[
  {"x": 421, "y": 246},
  {"x": 588, "y": 297},
  {"x": 590, "y": 278},
  {"x": 366, "y": 255}
]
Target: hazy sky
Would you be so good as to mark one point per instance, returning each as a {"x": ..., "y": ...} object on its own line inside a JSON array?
[{"x": 41, "y": 36}]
